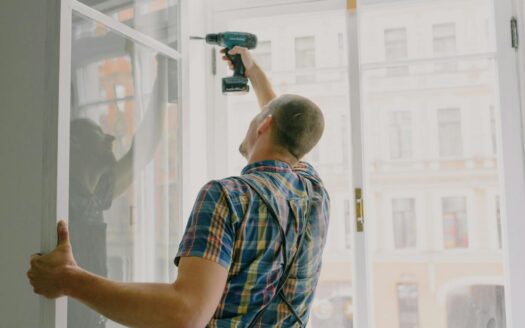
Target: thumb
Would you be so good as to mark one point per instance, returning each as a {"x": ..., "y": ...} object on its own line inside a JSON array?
[
  {"x": 62, "y": 233},
  {"x": 237, "y": 50}
]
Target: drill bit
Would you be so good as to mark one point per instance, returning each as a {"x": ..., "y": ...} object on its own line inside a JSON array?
[{"x": 196, "y": 38}]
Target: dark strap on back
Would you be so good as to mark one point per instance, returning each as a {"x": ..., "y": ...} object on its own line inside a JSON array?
[{"x": 288, "y": 265}]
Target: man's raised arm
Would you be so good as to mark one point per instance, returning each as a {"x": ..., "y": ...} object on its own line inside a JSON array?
[{"x": 261, "y": 84}]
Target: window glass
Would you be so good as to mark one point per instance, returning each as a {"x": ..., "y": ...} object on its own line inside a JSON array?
[
  {"x": 400, "y": 135},
  {"x": 498, "y": 221},
  {"x": 396, "y": 49},
  {"x": 445, "y": 45},
  {"x": 408, "y": 306},
  {"x": 452, "y": 172},
  {"x": 455, "y": 226},
  {"x": 124, "y": 181},
  {"x": 305, "y": 58},
  {"x": 404, "y": 221},
  {"x": 263, "y": 55},
  {"x": 493, "y": 139},
  {"x": 156, "y": 18},
  {"x": 476, "y": 306},
  {"x": 450, "y": 138}
]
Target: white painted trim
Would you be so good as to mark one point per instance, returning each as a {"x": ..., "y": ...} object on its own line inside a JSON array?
[
  {"x": 184, "y": 146},
  {"x": 237, "y": 5},
  {"x": 512, "y": 171},
  {"x": 124, "y": 29},
  {"x": 361, "y": 271},
  {"x": 419, "y": 61},
  {"x": 64, "y": 104},
  {"x": 224, "y": 12},
  {"x": 520, "y": 13}
]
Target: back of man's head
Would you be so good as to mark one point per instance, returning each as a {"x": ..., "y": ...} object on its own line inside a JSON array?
[{"x": 298, "y": 124}]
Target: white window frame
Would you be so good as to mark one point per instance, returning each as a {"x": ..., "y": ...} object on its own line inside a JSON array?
[
  {"x": 510, "y": 65},
  {"x": 57, "y": 317}
]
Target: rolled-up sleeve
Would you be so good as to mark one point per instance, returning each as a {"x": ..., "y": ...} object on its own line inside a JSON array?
[{"x": 209, "y": 233}]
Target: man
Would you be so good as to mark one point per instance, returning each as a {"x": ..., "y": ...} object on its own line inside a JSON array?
[{"x": 230, "y": 259}]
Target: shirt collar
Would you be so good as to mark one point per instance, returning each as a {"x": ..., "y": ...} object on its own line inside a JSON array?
[{"x": 267, "y": 166}]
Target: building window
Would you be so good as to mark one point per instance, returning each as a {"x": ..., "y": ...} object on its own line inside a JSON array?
[
  {"x": 455, "y": 226},
  {"x": 407, "y": 298},
  {"x": 396, "y": 49},
  {"x": 345, "y": 129},
  {"x": 342, "y": 56},
  {"x": 263, "y": 55},
  {"x": 445, "y": 45},
  {"x": 449, "y": 130},
  {"x": 404, "y": 222},
  {"x": 400, "y": 130},
  {"x": 305, "y": 59},
  {"x": 348, "y": 225},
  {"x": 476, "y": 306},
  {"x": 498, "y": 222},
  {"x": 493, "y": 130}
]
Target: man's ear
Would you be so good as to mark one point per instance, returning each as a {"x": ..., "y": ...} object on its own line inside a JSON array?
[{"x": 265, "y": 125}]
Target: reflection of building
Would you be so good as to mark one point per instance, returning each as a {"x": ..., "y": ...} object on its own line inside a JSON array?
[
  {"x": 429, "y": 91},
  {"x": 432, "y": 201}
]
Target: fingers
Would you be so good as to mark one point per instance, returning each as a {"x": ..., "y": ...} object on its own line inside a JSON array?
[
  {"x": 34, "y": 258},
  {"x": 237, "y": 50},
  {"x": 62, "y": 233},
  {"x": 228, "y": 61}
]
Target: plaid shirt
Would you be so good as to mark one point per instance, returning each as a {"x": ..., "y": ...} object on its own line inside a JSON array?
[{"x": 229, "y": 226}]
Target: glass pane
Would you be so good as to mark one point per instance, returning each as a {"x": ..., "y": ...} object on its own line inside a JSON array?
[
  {"x": 309, "y": 56},
  {"x": 431, "y": 168},
  {"x": 159, "y": 19},
  {"x": 124, "y": 181}
]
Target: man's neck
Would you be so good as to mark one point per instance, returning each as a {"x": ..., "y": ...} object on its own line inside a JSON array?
[{"x": 273, "y": 156}]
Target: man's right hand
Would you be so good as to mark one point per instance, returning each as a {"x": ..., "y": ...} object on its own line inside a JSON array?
[
  {"x": 259, "y": 80},
  {"x": 247, "y": 59}
]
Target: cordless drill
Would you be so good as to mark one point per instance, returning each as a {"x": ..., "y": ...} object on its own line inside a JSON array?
[{"x": 238, "y": 82}]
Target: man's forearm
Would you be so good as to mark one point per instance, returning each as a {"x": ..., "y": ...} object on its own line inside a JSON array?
[
  {"x": 131, "y": 304},
  {"x": 262, "y": 86}
]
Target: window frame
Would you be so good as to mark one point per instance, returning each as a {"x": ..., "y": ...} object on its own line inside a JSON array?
[
  {"x": 56, "y": 315},
  {"x": 510, "y": 70}
]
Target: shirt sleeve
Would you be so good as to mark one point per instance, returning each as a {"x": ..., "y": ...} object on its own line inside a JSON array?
[
  {"x": 209, "y": 233},
  {"x": 104, "y": 190}
]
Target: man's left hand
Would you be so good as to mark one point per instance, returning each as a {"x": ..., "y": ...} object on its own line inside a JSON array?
[{"x": 47, "y": 273}]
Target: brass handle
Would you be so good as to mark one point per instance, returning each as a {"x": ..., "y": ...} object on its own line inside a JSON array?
[{"x": 359, "y": 211}]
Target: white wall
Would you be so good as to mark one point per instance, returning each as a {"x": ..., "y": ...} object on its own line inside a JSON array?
[{"x": 29, "y": 33}]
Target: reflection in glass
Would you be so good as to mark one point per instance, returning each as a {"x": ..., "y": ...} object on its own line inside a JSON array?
[
  {"x": 476, "y": 306},
  {"x": 123, "y": 166},
  {"x": 408, "y": 308},
  {"x": 431, "y": 169},
  {"x": 455, "y": 226},
  {"x": 403, "y": 213},
  {"x": 156, "y": 18}
]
